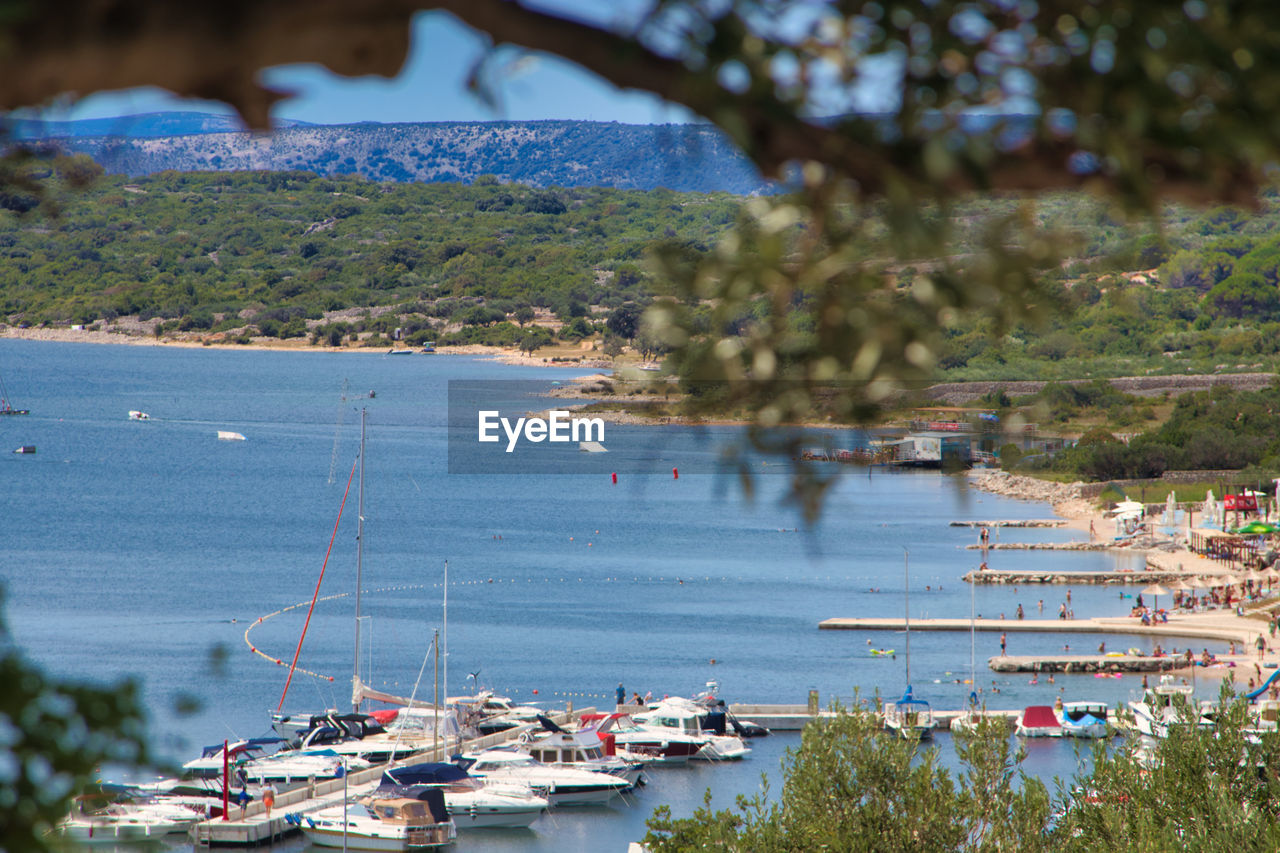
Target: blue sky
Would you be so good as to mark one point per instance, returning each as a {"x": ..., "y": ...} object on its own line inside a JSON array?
[{"x": 430, "y": 87}]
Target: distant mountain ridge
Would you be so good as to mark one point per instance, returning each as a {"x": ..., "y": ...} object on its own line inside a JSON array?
[{"x": 690, "y": 157}]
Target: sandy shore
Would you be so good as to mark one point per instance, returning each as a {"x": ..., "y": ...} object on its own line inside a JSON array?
[{"x": 1082, "y": 514}]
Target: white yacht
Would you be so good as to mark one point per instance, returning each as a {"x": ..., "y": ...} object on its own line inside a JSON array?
[
  {"x": 393, "y": 824},
  {"x": 682, "y": 715},
  {"x": 472, "y": 803},
  {"x": 1158, "y": 707},
  {"x": 562, "y": 786},
  {"x": 118, "y": 822}
]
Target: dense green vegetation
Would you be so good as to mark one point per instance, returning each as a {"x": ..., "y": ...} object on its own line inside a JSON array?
[
  {"x": 223, "y": 251},
  {"x": 1222, "y": 428}
]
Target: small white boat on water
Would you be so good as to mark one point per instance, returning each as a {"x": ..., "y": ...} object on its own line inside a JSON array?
[
  {"x": 120, "y": 822},
  {"x": 397, "y": 824},
  {"x": 1038, "y": 721},
  {"x": 135, "y": 415},
  {"x": 682, "y": 715},
  {"x": 228, "y": 435},
  {"x": 562, "y": 786},
  {"x": 1159, "y": 707},
  {"x": 250, "y": 762},
  {"x": 1084, "y": 719},
  {"x": 647, "y": 744},
  {"x": 909, "y": 718},
  {"x": 471, "y": 802}
]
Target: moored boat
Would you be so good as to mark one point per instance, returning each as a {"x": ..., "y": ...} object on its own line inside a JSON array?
[
  {"x": 1038, "y": 721},
  {"x": 909, "y": 718},
  {"x": 471, "y": 802},
  {"x": 393, "y": 824},
  {"x": 562, "y": 786},
  {"x": 1084, "y": 719}
]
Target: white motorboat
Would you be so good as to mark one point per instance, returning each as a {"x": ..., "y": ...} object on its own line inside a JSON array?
[
  {"x": 152, "y": 819},
  {"x": 472, "y": 803},
  {"x": 1084, "y": 719},
  {"x": 249, "y": 763},
  {"x": 135, "y": 415},
  {"x": 1159, "y": 707},
  {"x": 582, "y": 750},
  {"x": 489, "y": 713},
  {"x": 362, "y": 736},
  {"x": 562, "y": 786},
  {"x": 1038, "y": 721},
  {"x": 646, "y": 744},
  {"x": 394, "y": 824},
  {"x": 682, "y": 715}
]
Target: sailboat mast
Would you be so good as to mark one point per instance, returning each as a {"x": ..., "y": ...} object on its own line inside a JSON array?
[
  {"x": 445, "y": 633},
  {"x": 359, "y": 551},
  {"x": 973, "y": 648},
  {"x": 906, "y": 584}
]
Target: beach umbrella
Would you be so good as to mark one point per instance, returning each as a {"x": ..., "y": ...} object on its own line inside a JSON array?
[
  {"x": 1228, "y": 580},
  {"x": 1257, "y": 528},
  {"x": 1180, "y": 586},
  {"x": 1155, "y": 590}
]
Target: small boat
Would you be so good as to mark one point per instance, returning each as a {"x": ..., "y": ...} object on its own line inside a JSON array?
[
  {"x": 1159, "y": 707},
  {"x": 684, "y": 716},
  {"x": 26, "y": 448},
  {"x": 253, "y": 763},
  {"x": 645, "y": 743},
  {"x": 562, "y": 786},
  {"x": 5, "y": 407},
  {"x": 396, "y": 824},
  {"x": 582, "y": 750},
  {"x": 135, "y": 415},
  {"x": 471, "y": 802},
  {"x": 227, "y": 435},
  {"x": 151, "y": 819},
  {"x": 1038, "y": 721},
  {"x": 909, "y": 718},
  {"x": 1084, "y": 719}
]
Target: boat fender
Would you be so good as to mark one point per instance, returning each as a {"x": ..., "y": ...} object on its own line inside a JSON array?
[{"x": 524, "y": 737}]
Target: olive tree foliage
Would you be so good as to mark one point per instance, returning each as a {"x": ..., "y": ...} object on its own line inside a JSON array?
[
  {"x": 852, "y": 786},
  {"x": 54, "y": 737}
]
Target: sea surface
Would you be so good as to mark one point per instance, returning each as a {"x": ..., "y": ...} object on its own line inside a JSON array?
[{"x": 145, "y": 550}]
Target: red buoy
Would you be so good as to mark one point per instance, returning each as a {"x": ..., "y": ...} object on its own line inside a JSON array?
[
  {"x": 675, "y": 473},
  {"x": 615, "y": 476}
]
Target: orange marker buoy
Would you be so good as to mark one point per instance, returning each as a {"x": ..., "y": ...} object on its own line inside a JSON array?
[
  {"x": 675, "y": 473},
  {"x": 614, "y": 475},
  {"x": 535, "y": 691}
]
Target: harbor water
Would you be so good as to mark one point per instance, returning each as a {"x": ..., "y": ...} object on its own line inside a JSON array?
[{"x": 145, "y": 549}]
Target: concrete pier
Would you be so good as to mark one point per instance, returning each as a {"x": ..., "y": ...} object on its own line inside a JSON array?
[
  {"x": 1028, "y": 522},
  {"x": 1208, "y": 626},
  {"x": 1086, "y": 663}
]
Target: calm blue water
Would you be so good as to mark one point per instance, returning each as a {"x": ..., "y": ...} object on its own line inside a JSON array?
[{"x": 141, "y": 549}]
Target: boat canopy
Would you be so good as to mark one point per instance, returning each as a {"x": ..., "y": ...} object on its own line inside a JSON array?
[
  {"x": 1040, "y": 716},
  {"x": 430, "y": 773}
]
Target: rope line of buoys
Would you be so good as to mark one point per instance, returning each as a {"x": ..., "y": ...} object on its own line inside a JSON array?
[{"x": 278, "y": 661}]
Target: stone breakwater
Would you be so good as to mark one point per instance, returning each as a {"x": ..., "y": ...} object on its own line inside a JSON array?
[{"x": 1066, "y": 498}]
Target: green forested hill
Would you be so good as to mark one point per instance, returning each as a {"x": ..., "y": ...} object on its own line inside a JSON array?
[{"x": 210, "y": 250}]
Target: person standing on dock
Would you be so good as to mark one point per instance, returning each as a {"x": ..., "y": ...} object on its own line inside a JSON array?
[
  {"x": 269, "y": 798},
  {"x": 621, "y": 694},
  {"x": 1002, "y": 643}
]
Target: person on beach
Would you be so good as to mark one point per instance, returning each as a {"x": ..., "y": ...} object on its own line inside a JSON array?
[
  {"x": 1093, "y": 534},
  {"x": 1262, "y": 646},
  {"x": 1002, "y": 644}
]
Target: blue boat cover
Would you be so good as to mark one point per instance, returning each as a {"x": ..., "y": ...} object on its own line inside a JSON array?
[{"x": 431, "y": 773}]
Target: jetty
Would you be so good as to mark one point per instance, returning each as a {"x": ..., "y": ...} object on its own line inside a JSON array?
[
  {"x": 1044, "y": 546},
  {"x": 1109, "y": 663},
  {"x": 1026, "y": 522},
  {"x": 1016, "y": 577},
  {"x": 1215, "y": 625}
]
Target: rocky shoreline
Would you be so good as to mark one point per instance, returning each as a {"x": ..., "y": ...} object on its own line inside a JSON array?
[{"x": 1065, "y": 498}]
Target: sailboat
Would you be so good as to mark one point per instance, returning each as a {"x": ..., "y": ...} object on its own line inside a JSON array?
[
  {"x": 6, "y": 407},
  {"x": 910, "y": 718},
  {"x": 968, "y": 719}
]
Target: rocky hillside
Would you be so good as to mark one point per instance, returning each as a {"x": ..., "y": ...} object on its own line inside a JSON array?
[{"x": 694, "y": 158}]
